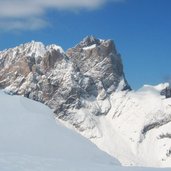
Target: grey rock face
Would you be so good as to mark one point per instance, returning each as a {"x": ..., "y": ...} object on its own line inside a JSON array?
[
  {"x": 166, "y": 92},
  {"x": 80, "y": 79},
  {"x": 99, "y": 60}
]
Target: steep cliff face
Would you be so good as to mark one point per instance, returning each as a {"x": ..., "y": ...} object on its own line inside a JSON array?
[
  {"x": 99, "y": 60},
  {"x": 80, "y": 79}
]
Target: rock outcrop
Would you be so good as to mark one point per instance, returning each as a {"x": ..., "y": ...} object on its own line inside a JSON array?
[{"x": 166, "y": 92}]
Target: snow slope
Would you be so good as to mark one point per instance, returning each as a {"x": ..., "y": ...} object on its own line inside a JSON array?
[
  {"x": 136, "y": 130},
  {"x": 30, "y": 139}
]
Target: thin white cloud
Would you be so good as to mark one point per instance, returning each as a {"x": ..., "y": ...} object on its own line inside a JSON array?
[
  {"x": 22, "y": 24},
  {"x": 28, "y": 14}
]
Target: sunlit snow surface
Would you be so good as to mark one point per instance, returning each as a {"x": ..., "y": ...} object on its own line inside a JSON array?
[
  {"x": 137, "y": 129},
  {"x": 31, "y": 140}
]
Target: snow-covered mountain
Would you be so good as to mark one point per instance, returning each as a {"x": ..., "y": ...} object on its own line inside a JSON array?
[
  {"x": 31, "y": 140},
  {"x": 88, "y": 92}
]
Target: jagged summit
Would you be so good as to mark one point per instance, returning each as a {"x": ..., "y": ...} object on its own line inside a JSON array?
[
  {"x": 91, "y": 42},
  {"x": 99, "y": 60},
  {"x": 33, "y": 48},
  {"x": 78, "y": 80},
  {"x": 88, "y": 41},
  {"x": 82, "y": 79},
  {"x": 61, "y": 80}
]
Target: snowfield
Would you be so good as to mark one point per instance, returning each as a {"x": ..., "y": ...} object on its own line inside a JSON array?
[
  {"x": 136, "y": 130},
  {"x": 31, "y": 140}
]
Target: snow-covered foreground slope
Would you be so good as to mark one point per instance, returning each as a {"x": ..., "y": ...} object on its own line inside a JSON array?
[
  {"x": 137, "y": 129},
  {"x": 31, "y": 140}
]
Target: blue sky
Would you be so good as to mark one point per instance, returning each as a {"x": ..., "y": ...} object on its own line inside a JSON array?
[{"x": 141, "y": 30}]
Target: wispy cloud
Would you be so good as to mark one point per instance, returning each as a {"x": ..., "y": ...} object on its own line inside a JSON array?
[
  {"x": 28, "y": 14},
  {"x": 23, "y": 24}
]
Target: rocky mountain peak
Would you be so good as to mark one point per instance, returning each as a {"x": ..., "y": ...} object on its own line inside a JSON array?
[
  {"x": 81, "y": 79},
  {"x": 99, "y": 60},
  {"x": 88, "y": 41}
]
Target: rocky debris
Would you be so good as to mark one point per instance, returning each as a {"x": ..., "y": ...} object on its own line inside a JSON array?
[
  {"x": 167, "y": 135},
  {"x": 154, "y": 125},
  {"x": 80, "y": 79}
]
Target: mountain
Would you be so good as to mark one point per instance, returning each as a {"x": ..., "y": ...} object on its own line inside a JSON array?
[
  {"x": 80, "y": 79},
  {"x": 88, "y": 92}
]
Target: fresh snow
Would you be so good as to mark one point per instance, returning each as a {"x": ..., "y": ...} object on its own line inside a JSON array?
[
  {"x": 124, "y": 129},
  {"x": 33, "y": 49},
  {"x": 89, "y": 47},
  {"x": 55, "y": 47},
  {"x": 136, "y": 129},
  {"x": 36, "y": 48},
  {"x": 31, "y": 140}
]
